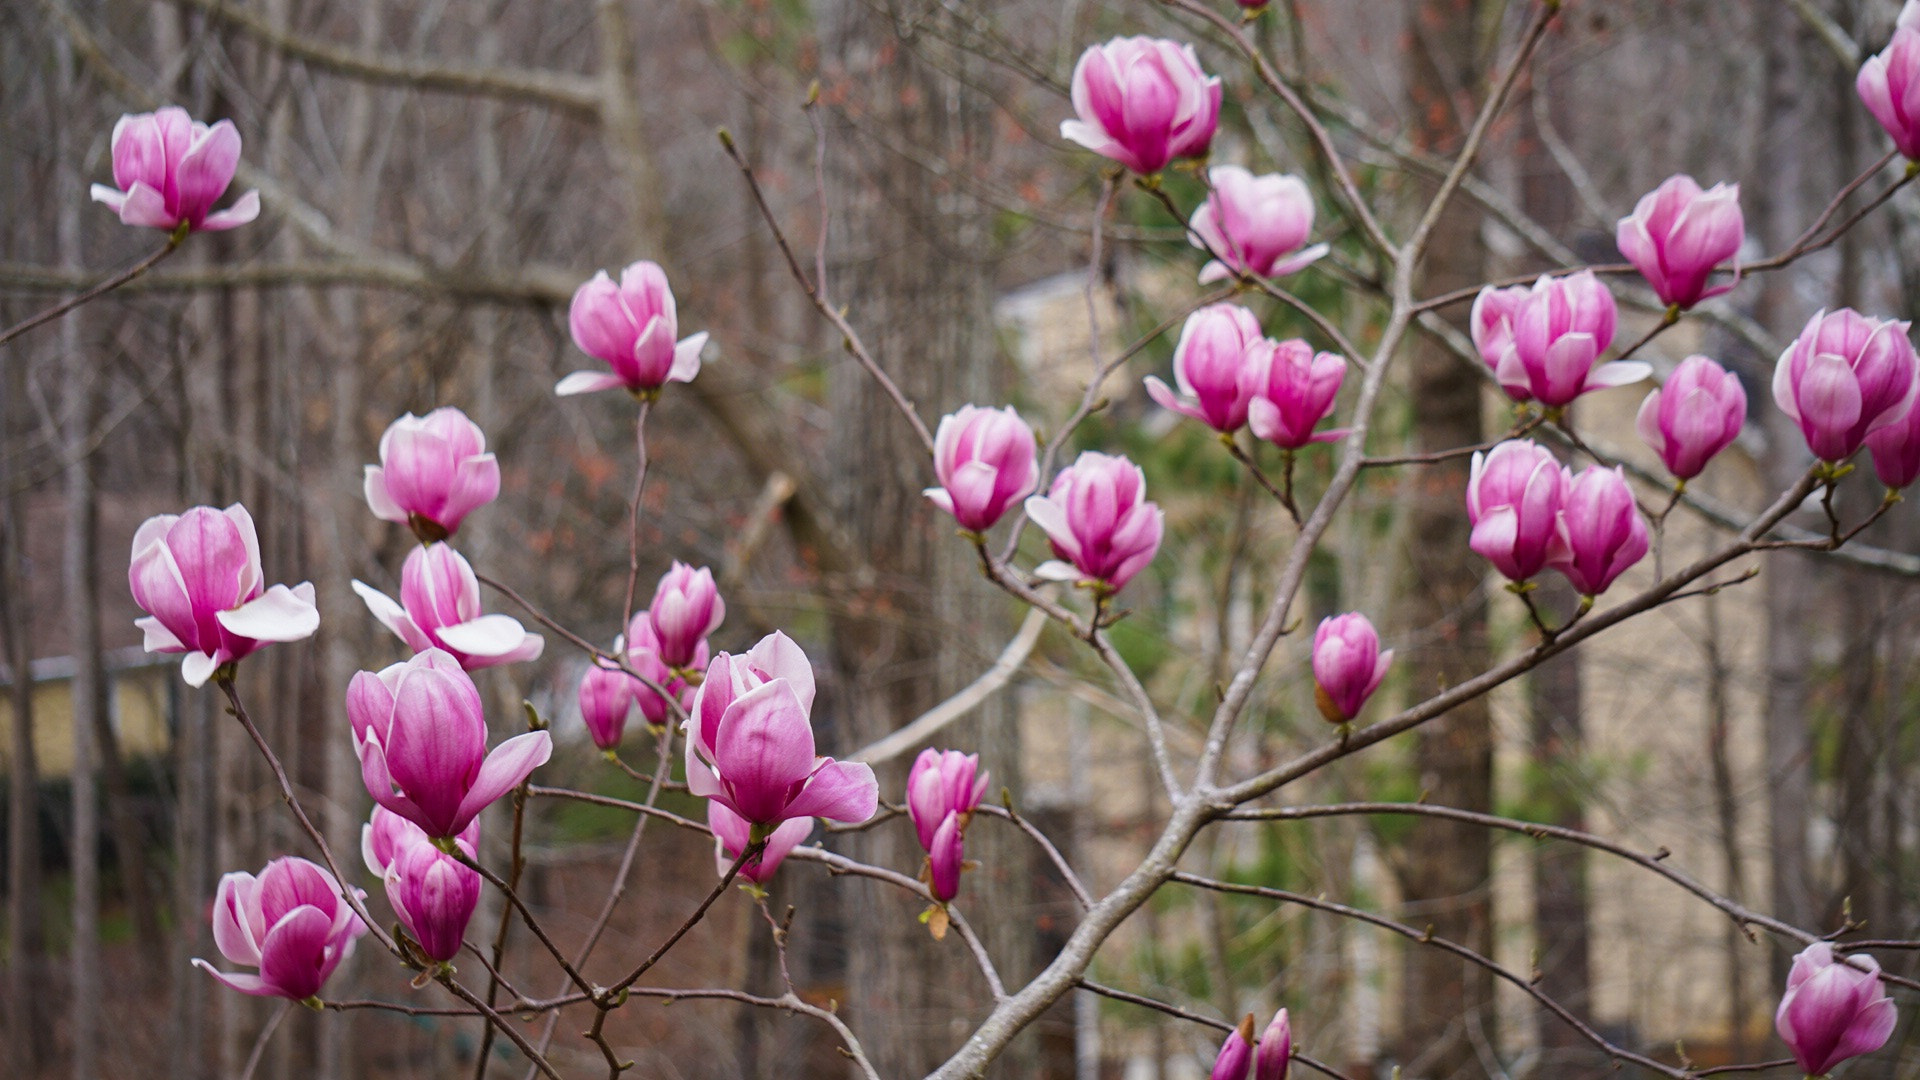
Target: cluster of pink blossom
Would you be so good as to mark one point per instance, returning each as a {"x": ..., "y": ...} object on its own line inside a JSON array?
[{"x": 419, "y": 729}]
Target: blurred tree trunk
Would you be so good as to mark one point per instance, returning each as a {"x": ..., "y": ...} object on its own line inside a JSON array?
[
  {"x": 1446, "y": 1006},
  {"x": 1562, "y": 935},
  {"x": 907, "y": 630},
  {"x": 1778, "y": 215},
  {"x": 27, "y": 1005}
]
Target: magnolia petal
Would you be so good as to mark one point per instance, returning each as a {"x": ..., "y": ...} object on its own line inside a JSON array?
[
  {"x": 1618, "y": 373},
  {"x": 392, "y": 616},
  {"x": 144, "y": 206},
  {"x": 112, "y": 197},
  {"x": 244, "y": 210},
  {"x": 1055, "y": 570},
  {"x": 1299, "y": 260},
  {"x": 510, "y": 763},
  {"x": 844, "y": 791},
  {"x": 488, "y": 635},
  {"x": 158, "y": 637},
  {"x": 253, "y": 985},
  {"x": 279, "y": 614},
  {"x": 586, "y": 382},
  {"x": 197, "y": 668},
  {"x": 686, "y": 358}
]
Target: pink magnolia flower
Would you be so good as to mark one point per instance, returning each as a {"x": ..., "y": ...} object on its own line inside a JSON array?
[
  {"x": 1236, "y": 1054},
  {"x": 1845, "y": 377},
  {"x": 1294, "y": 390},
  {"x": 943, "y": 790},
  {"x": 1212, "y": 365},
  {"x": 631, "y": 328},
  {"x": 1494, "y": 311},
  {"x": 434, "y": 470},
  {"x": 946, "y": 858},
  {"x": 439, "y": 608},
  {"x": 1143, "y": 102},
  {"x": 1276, "y": 1049},
  {"x": 1833, "y": 1010},
  {"x": 985, "y": 461},
  {"x": 606, "y": 697},
  {"x": 169, "y": 169},
  {"x": 422, "y": 739},
  {"x": 386, "y": 834},
  {"x": 434, "y": 895},
  {"x": 643, "y": 655},
  {"x": 1896, "y": 451},
  {"x": 1347, "y": 665},
  {"x": 732, "y": 835},
  {"x": 1889, "y": 84},
  {"x": 686, "y": 608},
  {"x": 1677, "y": 234},
  {"x": 1601, "y": 530},
  {"x": 1097, "y": 517},
  {"x": 942, "y": 783},
  {"x": 750, "y": 742},
  {"x": 290, "y": 922},
  {"x": 1559, "y": 332},
  {"x": 1514, "y": 496},
  {"x": 198, "y": 577},
  {"x": 1254, "y": 225},
  {"x": 1697, "y": 414}
]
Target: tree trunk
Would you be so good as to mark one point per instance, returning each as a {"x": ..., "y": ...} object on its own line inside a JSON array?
[
  {"x": 1446, "y": 1005},
  {"x": 915, "y": 263}
]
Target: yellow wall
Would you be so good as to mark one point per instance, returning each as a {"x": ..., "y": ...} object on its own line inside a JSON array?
[{"x": 139, "y": 711}]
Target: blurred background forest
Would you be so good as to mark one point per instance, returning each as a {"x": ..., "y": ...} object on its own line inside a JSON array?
[{"x": 437, "y": 178}]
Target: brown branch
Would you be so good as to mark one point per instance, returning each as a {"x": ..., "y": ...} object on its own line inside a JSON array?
[
  {"x": 106, "y": 286},
  {"x": 849, "y": 337},
  {"x": 570, "y": 93},
  {"x": 1618, "y": 1053}
]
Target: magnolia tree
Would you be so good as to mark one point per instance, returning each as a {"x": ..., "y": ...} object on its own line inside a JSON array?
[{"x": 736, "y": 729}]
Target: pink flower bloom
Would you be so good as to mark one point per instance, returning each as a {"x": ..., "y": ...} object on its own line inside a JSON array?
[
  {"x": 750, "y": 742},
  {"x": 1514, "y": 498},
  {"x": 1494, "y": 311},
  {"x": 439, "y": 608},
  {"x": 732, "y": 835},
  {"x": 386, "y": 834},
  {"x": 1276, "y": 1049},
  {"x": 643, "y": 655},
  {"x": 422, "y": 740},
  {"x": 1559, "y": 332},
  {"x": 1213, "y": 366},
  {"x": 1254, "y": 225},
  {"x": 946, "y": 858},
  {"x": 1601, "y": 530},
  {"x": 434, "y": 895},
  {"x": 606, "y": 697},
  {"x": 1097, "y": 517},
  {"x": 1347, "y": 665},
  {"x": 984, "y": 459},
  {"x": 942, "y": 783},
  {"x": 168, "y": 170},
  {"x": 1845, "y": 377},
  {"x": 1677, "y": 234},
  {"x": 1236, "y": 1054},
  {"x": 686, "y": 608},
  {"x": 434, "y": 470},
  {"x": 1896, "y": 451},
  {"x": 1294, "y": 388},
  {"x": 197, "y": 575},
  {"x": 1697, "y": 414},
  {"x": 631, "y": 328},
  {"x": 1889, "y": 84},
  {"x": 291, "y": 923},
  {"x": 1143, "y": 102},
  {"x": 1833, "y": 1010}
]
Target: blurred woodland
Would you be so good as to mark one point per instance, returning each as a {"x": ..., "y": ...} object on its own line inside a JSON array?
[{"x": 437, "y": 178}]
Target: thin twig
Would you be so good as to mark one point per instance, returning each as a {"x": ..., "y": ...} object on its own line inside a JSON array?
[
  {"x": 260, "y": 1043},
  {"x": 1053, "y": 853},
  {"x": 105, "y": 287},
  {"x": 633, "y": 516}
]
